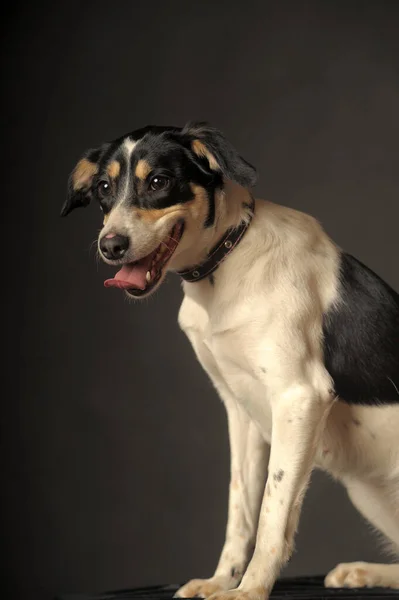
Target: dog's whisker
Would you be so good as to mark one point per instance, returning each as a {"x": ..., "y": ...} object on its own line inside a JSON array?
[
  {"x": 92, "y": 244},
  {"x": 397, "y": 391},
  {"x": 173, "y": 239}
]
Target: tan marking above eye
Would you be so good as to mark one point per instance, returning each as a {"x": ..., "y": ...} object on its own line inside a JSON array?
[
  {"x": 83, "y": 174},
  {"x": 143, "y": 169},
  {"x": 201, "y": 150},
  {"x": 114, "y": 169}
]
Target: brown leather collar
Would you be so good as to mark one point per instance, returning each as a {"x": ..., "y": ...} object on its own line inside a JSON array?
[{"x": 220, "y": 250}]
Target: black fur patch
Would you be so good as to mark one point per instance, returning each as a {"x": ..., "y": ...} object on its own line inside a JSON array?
[
  {"x": 168, "y": 152},
  {"x": 212, "y": 209},
  {"x": 361, "y": 337},
  {"x": 231, "y": 163}
]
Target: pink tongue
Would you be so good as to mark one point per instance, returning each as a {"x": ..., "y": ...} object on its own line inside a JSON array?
[{"x": 132, "y": 275}]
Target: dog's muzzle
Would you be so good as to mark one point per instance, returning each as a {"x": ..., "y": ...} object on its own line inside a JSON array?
[{"x": 141, "y": 276}]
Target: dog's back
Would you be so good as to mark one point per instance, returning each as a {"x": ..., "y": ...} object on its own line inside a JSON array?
[{"x": 361, "y": 336}]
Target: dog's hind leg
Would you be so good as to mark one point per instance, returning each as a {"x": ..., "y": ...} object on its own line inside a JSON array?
[
  {"x": 249, "y": 458},
  {"x": 379, "y": 504}
]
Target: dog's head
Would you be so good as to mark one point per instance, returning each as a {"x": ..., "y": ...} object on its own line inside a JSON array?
[{"x": 156, "y": 188}]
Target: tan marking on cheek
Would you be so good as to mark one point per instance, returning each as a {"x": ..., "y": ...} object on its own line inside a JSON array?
[
  {"x": 106, "y": 217},
  {"x": 142, "y": 169},
  {"x": 152, "y": 215},
  {"x": 83, "y": 173},
  {"x": 199, "y": 206},
  {"x": 201, "y": 150},
  {"x": 113, "y": 169}
]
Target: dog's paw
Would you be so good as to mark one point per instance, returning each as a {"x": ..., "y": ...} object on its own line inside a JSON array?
[
  {"x": 202, "y": 588},
  {"x": 238, "y": 594},
  {"x": 362, "y": 574}
]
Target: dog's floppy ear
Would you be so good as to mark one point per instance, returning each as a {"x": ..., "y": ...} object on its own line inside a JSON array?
[
  {"x": 80, "y": 181},
  {"x": 210, "y": 143}
]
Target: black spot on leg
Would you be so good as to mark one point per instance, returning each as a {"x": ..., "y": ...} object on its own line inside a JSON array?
[
  {"x": 211, "y": 279},
  {"x": 279, "y": 475},
  {"x": 236, "y": 573},
  {"x": 263, "y": 369}
]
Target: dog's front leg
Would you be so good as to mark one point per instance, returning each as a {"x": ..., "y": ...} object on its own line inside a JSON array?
[
  {"x": 298, "y": 415},
  {"x": 248, "y": 466}
]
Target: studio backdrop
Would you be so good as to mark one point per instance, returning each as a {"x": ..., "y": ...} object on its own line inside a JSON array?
[{"x": 115, "y": 461}]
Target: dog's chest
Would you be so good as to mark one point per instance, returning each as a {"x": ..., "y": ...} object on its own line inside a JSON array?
[{"x": 229, "y": 355}]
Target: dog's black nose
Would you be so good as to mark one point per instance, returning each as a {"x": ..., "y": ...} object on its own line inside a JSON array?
[{"x": 114, "y": 246}]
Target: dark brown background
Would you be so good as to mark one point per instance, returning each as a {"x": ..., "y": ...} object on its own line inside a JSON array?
[{"x": 114, "y": 447}]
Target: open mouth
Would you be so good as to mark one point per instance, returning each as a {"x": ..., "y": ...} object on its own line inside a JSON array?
[{"x": 140, "y": 277}]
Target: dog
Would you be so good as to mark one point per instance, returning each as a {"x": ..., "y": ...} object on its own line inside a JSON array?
[{"x": 299, "y": 338}]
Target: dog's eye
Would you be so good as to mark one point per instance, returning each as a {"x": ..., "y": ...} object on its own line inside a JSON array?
[
  {"x": 159, "y": 182},
  {"x": 103, "y": 188}
]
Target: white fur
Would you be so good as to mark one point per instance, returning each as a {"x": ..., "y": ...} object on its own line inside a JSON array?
[
  {"x": 258, "y": 334},
  {"x": 128, "y": 147}
]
